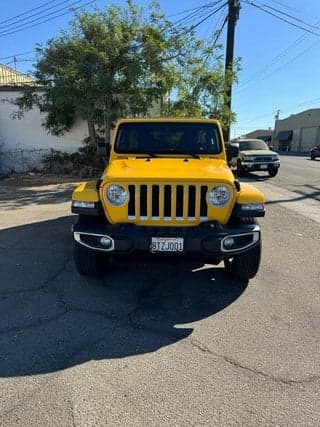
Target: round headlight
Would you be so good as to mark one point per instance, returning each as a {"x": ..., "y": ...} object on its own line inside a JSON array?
[
  {"x": 116, "y": 195},
  {"x": 219, "y": 196}
]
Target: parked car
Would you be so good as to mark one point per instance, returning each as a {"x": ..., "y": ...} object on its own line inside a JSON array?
[
  {"x": 167, "y": 189},
  {"x": 315, "y": 152},
  {"x": 255, "y": 155}
]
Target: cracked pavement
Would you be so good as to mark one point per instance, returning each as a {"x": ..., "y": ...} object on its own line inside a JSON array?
[{"x": 154, "y": 343}]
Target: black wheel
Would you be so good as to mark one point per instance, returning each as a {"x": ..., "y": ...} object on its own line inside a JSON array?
[
  {"x": 273, "y": 172},
  {"x": 240, "y": 169},
  {"x": 313, "y": 157},
  {"x": 245, "y": 265},
  {"x": 88, "y": 261}
]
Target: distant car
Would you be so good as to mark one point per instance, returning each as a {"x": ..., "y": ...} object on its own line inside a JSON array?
[
  {"x": 255, "y": 155},
  {"x": 315, "y": 152}
]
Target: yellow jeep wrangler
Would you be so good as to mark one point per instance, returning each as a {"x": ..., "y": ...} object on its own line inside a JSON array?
[{"x": 167, "y": 189}]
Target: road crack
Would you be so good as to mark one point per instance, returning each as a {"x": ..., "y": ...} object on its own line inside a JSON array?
[{"x": 257, "y": 372}]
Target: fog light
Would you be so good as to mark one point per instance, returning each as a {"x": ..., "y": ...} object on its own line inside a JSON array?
[
  {"x": 228, "y": 242},
  {"x": 106, "y": 242}
]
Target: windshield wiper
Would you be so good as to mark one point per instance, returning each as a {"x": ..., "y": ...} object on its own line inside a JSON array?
[
  {"x": 170, "y": 152},
  {"x": 194, "y": 155},
  {"x": 144, "y": 154}
]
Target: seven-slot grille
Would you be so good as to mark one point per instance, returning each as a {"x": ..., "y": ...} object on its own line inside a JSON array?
[{"x": 167, "y": 202}]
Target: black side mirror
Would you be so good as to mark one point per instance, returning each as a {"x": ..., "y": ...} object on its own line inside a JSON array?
[{"x": 231, "y": 151}]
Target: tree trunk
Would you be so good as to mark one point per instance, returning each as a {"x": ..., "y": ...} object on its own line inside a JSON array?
[{"x": 92, "y": 134}]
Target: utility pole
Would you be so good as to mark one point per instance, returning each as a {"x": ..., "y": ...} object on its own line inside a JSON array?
[{"x": 233, "y": 15}]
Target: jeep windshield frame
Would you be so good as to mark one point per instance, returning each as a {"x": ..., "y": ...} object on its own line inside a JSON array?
[{"x": 168, "y": 138}]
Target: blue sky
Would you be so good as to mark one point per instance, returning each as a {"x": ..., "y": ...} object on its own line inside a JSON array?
[{"x": 280, "y": 63}]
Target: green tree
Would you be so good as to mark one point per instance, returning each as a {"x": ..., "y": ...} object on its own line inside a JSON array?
[
  {"x": 199, "y": 88},
  {"x": 118, "y": 62}
]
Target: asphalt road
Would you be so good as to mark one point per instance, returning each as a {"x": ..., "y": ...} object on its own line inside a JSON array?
[{"x": 162, "y": 343}]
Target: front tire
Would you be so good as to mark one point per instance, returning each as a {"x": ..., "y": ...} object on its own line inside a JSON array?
[
  {"x": 272, "y": 172},
  {"x": 88, "y": 261},
  {"x": 240, "y": 169},
  {"x": 245, "y": 266}
]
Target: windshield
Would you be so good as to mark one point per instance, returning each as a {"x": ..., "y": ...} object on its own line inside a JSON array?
[
  {"x": 168, "y": 138},
  {"x": 253, "y": 145}
]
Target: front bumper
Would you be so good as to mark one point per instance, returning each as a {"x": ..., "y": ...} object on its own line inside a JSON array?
[
  {"x": 209, "y": 238},
  {"x": 256, "y": 166}
]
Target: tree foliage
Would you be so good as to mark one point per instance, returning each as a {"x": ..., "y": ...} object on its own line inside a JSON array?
[{"x": 119, "y": 62}]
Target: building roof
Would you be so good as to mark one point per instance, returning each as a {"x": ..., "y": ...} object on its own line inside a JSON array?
[
  {"x": 11, "y": 77},
  {"x": 302, "y": 113}
]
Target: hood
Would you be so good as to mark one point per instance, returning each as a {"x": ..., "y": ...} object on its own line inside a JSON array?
[
  {"x": 258, "y": 153},
  {"x": 166, "y": 169}
]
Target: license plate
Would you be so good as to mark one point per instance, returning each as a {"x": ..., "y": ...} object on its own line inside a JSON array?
[
  {"x": 263, "y": 166},
  {"x": 166, "y": 244}
]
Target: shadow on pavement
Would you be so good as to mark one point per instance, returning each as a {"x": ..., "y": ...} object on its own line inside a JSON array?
[
  {"x": 17, "y": 197},
  {"x": 53, "y": 319}
]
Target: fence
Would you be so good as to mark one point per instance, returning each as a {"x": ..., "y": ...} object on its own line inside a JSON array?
[{"x": 22, "y": 160}]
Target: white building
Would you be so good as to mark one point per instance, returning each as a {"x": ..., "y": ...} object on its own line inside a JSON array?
[
  {"x": 299, "y": 132},
  {"x": 24, "y": 142}
]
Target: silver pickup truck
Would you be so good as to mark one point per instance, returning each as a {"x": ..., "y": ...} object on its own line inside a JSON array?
[{"x": 254, "y": 155}]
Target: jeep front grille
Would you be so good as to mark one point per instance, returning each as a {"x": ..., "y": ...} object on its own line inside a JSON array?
[{"x": 167, "y": 202}]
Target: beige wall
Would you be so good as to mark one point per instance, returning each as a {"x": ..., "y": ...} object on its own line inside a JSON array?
[{"x": 305, "y": 127}]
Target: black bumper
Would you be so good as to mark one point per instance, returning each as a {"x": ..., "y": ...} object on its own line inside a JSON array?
[{"x": 206, "y": 239}]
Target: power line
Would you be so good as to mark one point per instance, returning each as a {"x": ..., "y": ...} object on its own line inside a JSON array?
[
  {"x": 289, "y": 16},
  {"x": 17, "y": 54},
  {"x": 281, "y": 18},
  {"x": 260, "y": 74},
  {"x": 193, "y": 9},
  {"x": 36, "y": 20},
  {"x": 284, "y": 5},
  {"x": 277, "y": 69},
  {"x": 20, "y": 60},
  {"x": 217, "y": 36},
  {"x": 27, "y": 11},
  {"x": 42, "y": 12},
  {"x": 46, "y": 20},
  {"x": 217, "y": 27},
  {"x": 301, "y": 104},
  {"x": 207, "y": 17},
  {"x": 190, "y": 17}
]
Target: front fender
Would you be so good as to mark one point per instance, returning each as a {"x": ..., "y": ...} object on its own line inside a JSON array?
[
  {"x": 249, "y": 194},
  {"x": 86, "y": 192}
]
